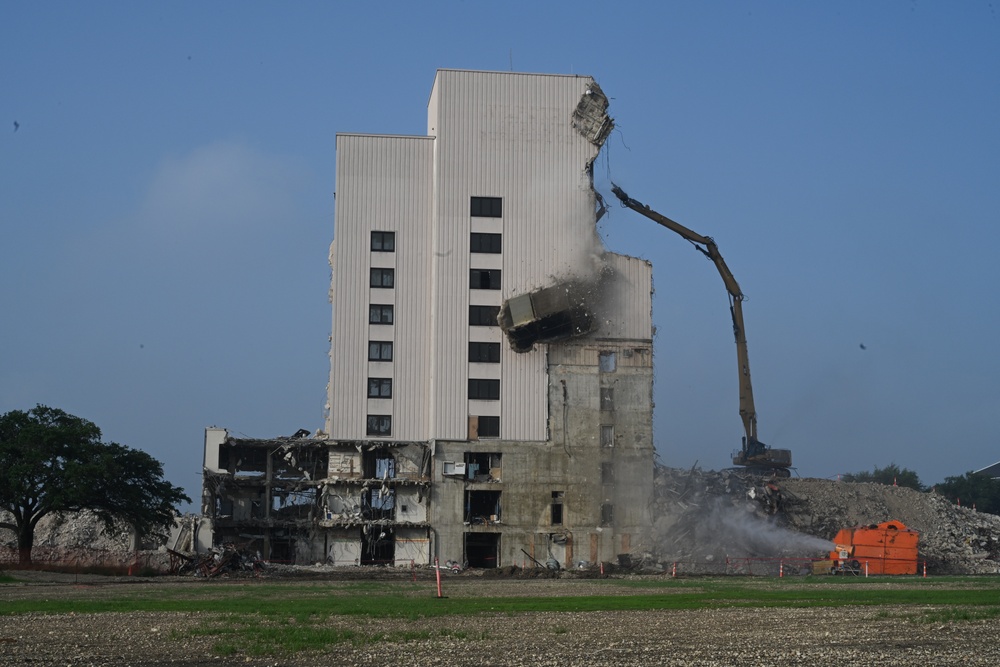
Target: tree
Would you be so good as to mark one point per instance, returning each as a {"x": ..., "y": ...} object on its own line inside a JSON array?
[
  {"x": 892, "y": 474},
  {"x": 972, "y": 490},
  {"x": 51, "y": 461}
]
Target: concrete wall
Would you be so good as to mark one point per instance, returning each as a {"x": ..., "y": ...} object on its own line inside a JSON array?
[
  {"x": 573, "y": 462},
  {"x": 343, "y": 546}
]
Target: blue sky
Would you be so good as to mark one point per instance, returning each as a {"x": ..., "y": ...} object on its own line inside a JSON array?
[{"x": 166, "y": 204}]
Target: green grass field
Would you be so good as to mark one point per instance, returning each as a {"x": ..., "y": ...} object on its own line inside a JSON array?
[{"x": 296, "y": 614}]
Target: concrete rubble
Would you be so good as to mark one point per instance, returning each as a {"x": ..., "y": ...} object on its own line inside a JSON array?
[{"x": 704, "y": 519}]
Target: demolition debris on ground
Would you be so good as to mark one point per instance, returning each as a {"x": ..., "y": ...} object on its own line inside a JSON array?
[{"x": 701, "y": 519}]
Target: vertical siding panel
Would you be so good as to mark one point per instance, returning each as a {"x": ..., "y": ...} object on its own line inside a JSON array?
[
  {"x": 497, "y": 134},
  {"x": 383, "y": 183},
  {"x": 509, "y": 136}
]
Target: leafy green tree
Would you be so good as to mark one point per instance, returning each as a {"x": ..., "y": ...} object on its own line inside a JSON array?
[
  {"x": 51, "y": 461},
  {"x": 891, "y": 475},
  {"x": 972, "y": 489}
]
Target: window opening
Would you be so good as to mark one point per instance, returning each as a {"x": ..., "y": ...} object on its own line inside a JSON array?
[
  {"x": 484, "y": 390},
  {"x": 607, "y": 514},
  {"x": 606, "y": 362},
  {"x": 382, "y": 278},
  {"x": 486, "y": 207},
  {"x": 487, "y": 353},
  {"x": 378, "y": 464},
  {"x": 380, "y": 314},
  {"x": 557, "y": 508},
  {"x": 483, "y": 316},
  {"x": 484, "y": 278},
  {"x": 384, "y": 241},
  {"x": 607, "y": 398},
  {"x": 487, "y": 426},
  {"x": 379, "y": 387},
  {"x": 482, "y": 242},
  {"x": 482, "y": 508},
  {"x": 483, "y": 466},
  {"x": 607, "y": 435},
  {"x": 379, "y": 425},
  {"x": 379, "y": 350},
  {"x": 378, "y": 545},
  {"x": 482, "y": 549},
  {"x": 378, "y": 504},
  {"x": 607, "y": 472}
]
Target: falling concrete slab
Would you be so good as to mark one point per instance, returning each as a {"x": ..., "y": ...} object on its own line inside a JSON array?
[{"x": 546, "y": 315}]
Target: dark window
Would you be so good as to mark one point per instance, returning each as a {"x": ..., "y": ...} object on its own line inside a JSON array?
[
  {"x": 483, "y": 279},
  {"x": 482, "y": 507},
  {"x": 607, "y": 398},
  {"x": 607, "y": 514},
  {"x": 485, "y": 243},
  {"x": 379, "y": 425},
  {"x": 483, "y": 316},
  {"x": 384, "y": 241},
  {"x": 379, "y": 350},
  {"x": 488, "y": 353},
  {"x": 483, "y": 466},
  {"x": 607, "y": 472},
  {"x": 557, "y": 508},
  {"x": 489, "y": 427},
  {"x": 379, "y": 314},
  {"x": 382, "y": 277},
  {"x": 487, "y": 207},
  {"x": 379, "y": 388},
  {"x": 484, "y": 390},
  {"x": 607, "y": 435}
]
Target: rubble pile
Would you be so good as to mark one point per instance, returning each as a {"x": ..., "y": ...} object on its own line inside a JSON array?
[
  {"x": 708, "y": 520},
  {"x": 74, "y": 537},
  {"x": 704, "y": 519},
  {"x": 953, "y": 539}
]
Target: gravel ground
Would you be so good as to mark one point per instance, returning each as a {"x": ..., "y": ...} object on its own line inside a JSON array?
[{"x": 730, "y": 636}]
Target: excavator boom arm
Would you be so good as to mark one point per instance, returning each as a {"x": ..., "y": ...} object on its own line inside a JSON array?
[{"x": 706, "y": 245}]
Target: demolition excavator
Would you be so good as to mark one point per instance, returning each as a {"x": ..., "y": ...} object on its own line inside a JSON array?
[{"x": 754, "y": 454}]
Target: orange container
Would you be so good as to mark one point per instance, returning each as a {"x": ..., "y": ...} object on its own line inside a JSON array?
[{"x": 886, "y": 548}]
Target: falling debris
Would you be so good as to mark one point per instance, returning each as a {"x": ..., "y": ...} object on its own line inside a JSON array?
[
  {"x": 590, "y": 118},
  {"x": 17, "y": 126}
]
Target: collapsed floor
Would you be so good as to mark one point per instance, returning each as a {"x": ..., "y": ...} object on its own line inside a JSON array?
[{"x": 702, "y": 520}]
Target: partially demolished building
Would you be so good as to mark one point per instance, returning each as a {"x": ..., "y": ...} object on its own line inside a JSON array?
[{"x": 490, "y": 395}]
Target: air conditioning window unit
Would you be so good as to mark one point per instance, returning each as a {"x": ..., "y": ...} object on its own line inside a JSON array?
[{"x": 452, "y": 468}]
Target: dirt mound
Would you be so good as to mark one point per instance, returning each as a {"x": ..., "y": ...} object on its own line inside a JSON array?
[{"x": 708, "y": 520}]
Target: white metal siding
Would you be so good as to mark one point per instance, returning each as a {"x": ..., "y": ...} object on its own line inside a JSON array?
[
  {"x": 383, "y": 183},
  {"x": 510, "y": 136},
  {"x": 495, "y": 134},
  {"x": 626, "y": 311}
]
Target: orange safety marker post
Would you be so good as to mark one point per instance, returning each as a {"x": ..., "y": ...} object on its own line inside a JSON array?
[
  {"x": 602, "y": 568},
  {"x": 437, "y": 570},
  {"x": 866, "y": 569},
  {"x": 781, "y": 569},
  {"x": 925, "y": 569},
  {"x": 673, "y": 570}
]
